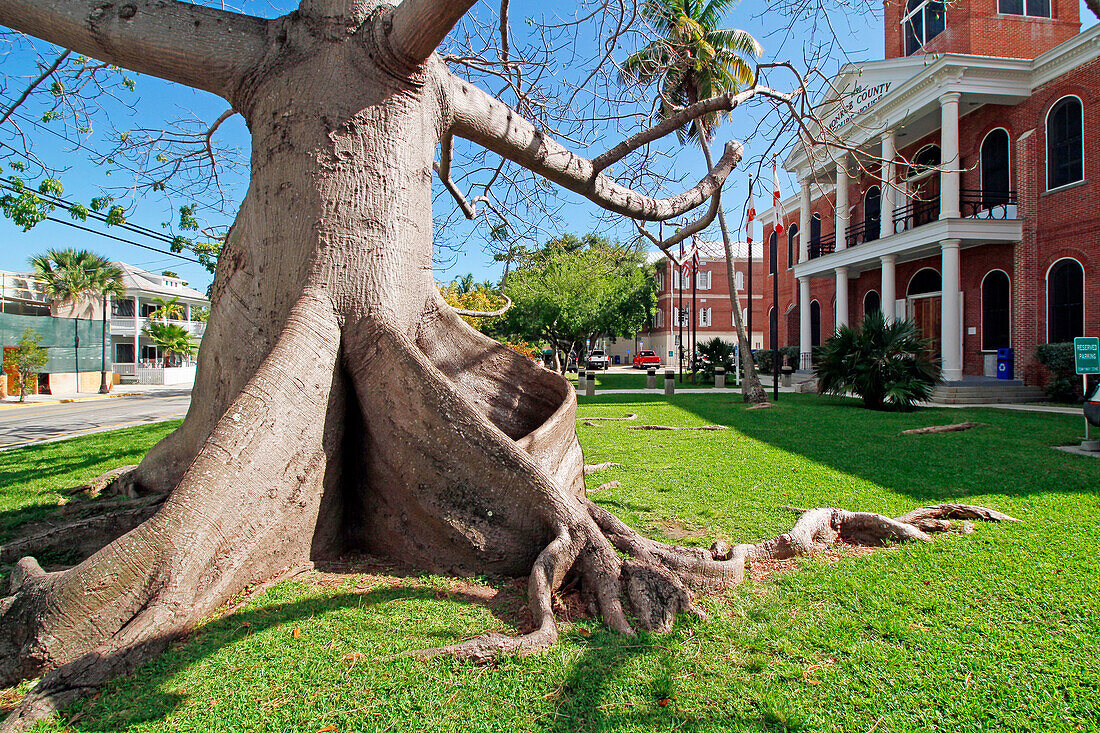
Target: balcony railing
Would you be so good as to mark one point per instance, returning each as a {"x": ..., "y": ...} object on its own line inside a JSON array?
[
  {"x": 916, "y": 213},
  {"x": 822, "y": 246},
  {"x": 125, "y": 325},
  {"x": 865, "y": 231},
  {"x": 975, "y": 203}
]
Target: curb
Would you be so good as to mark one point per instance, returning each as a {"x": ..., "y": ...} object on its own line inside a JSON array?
[{"x": 67, "y": 400}]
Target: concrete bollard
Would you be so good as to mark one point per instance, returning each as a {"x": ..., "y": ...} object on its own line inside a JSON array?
[
  {"x": 651, "y": 378},
  {"x": 719, "y": 377},
  {"x": 580, "y": 381},
  {"x": 590, "y": 385},
  {"x": 670, "y": 381}
]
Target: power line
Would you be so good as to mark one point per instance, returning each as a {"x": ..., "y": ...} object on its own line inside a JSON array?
[{"x": 74, "y": 225}]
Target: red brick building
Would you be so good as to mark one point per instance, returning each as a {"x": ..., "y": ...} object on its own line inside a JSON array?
[{"x": 965, "y": 192}]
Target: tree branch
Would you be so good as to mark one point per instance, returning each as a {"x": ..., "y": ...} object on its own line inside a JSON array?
[
  {"x": 419, "y": 26},
  {"x": 201, "y": 47},
  {"x": 486, "y": 314},
  {"x": 481, "y": 118},
  {"x": 33, "y": 85}
]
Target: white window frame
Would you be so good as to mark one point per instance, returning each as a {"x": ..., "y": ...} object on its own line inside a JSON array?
[
  {"x": 923, "y": 26},
  {"x": 981, "y": 309},
  {"x": 1084, "y": 291},
  {"x": 704, "y": 317},
  {"x": 1025, "y": 14},
  {"x": 1046, "y": 144}
]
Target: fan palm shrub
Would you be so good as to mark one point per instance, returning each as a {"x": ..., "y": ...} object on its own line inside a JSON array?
[
  {"x": 886, "y": 364},
  {"x": 715, "y": 353},
  {"x": 171, "y": 338}
]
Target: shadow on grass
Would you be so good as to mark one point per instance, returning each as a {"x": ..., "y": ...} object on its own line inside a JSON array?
[{"x": 1010, "y": 454}]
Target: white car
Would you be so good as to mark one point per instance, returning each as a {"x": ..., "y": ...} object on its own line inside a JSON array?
[{"x": 598, "y": 360}]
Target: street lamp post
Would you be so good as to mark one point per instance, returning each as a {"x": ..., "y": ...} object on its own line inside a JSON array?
[{"x": 103, "y": 388}]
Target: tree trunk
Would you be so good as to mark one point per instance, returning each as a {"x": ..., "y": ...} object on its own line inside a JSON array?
[
  {"x": 751, "y": 389},
  {"x": 339, "y": 402}
]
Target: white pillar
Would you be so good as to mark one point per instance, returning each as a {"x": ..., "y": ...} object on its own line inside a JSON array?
[
  {"x": 805, "y": 338},
  {"x": 804, "y": 221},
  {"x": 889, "y": 286},
  {"x": 889, "y": 152},
  {"x": 951, "y": 324},
  {"x": 842, "y": 202},
  {"x": 949, "y": 155},
  {"x": 137, "y": 331},
  {"x": 841, "y": 297}
]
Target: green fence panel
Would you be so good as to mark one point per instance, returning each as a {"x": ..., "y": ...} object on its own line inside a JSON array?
[{"x": 70, "y": 342}]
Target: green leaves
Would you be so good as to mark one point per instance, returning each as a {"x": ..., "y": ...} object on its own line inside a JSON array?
[{"x": 70, "y": 273}]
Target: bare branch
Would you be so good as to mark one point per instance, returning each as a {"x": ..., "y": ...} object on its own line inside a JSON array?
[
  {"x": 690, "y": 230},
  {"x": 201, "y": 47},
  {"x": 33, "y": 85},
  {"x": 483, "y": 119}
]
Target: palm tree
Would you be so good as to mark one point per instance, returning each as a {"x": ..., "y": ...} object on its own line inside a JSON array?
[
  {"x": 694, "y": 59},
  {"x": 171, "y": 338},
  {"x": 168, "y": 308},
  {"x": 70, "y": 275}
]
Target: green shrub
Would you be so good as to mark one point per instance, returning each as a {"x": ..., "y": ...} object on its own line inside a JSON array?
[
  {"x": 765, "y": 358},
  {"x": 1064, "y": 385},
  {"x": 887, "y": 364},
  {"x": 714, "y": 353}
]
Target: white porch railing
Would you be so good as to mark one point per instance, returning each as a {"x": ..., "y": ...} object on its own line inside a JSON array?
[{"x": 124, "y": 326}]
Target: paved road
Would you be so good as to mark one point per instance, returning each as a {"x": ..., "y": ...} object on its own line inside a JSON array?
[{"x": 44, "y": 423}]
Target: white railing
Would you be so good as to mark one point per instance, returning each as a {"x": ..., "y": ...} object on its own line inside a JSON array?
[
  {"x": 165, "y": 375},
  {"x": 124, "y": 370},
  {"x": 124, "y": 325}
]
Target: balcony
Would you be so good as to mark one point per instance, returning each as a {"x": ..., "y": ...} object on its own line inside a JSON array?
[
  {"x": 974, "y": 203},
  {"x": 125, "y": 326},
  {"x": 916, "y": 214},
  {"x": 822, "y": 245}
]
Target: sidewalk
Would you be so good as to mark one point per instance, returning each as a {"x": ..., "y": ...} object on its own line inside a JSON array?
[{"x": 118, "y": 390}]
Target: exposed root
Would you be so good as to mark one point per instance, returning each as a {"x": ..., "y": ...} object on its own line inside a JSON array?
[
  {"x": 80, "y": 538},
  {"x": 760, "y": 406},
  {"x": 603, "y": 487},
  {"x": 670, "y": 427},
  {"x": 591, "y": 424},
  {"x": 943, "y": 428},
  {"x": 591, "y": 468},
  {"x": 96, "y": 486},
  {"x": 627, "y": 416}
]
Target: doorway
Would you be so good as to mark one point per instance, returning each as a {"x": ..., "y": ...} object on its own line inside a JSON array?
[{"x": 926, "y": 311}]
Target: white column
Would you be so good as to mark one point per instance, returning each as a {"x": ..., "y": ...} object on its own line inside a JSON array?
[
  {"x": 841, "y": 202},
  {"x": 949, "y": 155},
  {"x": 137, "y": 331},
  {"x": 889, "y": 152},
  {"x": 805, "y": 338},
  {"x": 804, "y": 221},
  {"x": 889, "y": 286},
  {"x": 950, "y": 338},
  {"x": 841, "y": 297}
]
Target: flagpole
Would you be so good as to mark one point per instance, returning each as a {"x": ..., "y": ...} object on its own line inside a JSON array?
[
  {"x": 694, "y": 331},
  {"x": 748, "y": 239},
  {"x": 775, "y": 310},
  {"x": 680, "y": 313}
]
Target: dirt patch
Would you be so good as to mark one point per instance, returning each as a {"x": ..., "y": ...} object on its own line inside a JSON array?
[{"x": 675, "y": 529}]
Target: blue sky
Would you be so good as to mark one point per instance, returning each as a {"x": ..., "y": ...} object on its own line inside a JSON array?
[{"x": 153, "y": 101}]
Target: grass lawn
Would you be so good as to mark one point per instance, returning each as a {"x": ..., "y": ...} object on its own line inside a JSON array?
[
  {"x": 618, "y": 380},
  {"x": 994, "y": 631}
]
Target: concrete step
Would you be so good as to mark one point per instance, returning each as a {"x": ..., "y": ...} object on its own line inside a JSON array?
[{"x": 1003, "y": 392}]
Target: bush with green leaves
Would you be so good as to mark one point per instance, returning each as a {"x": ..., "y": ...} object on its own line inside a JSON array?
[
  {"x": 1064, "y": 384},
  {"x": 765, "y": 358},
  {"x": 25, "y": 361},
  {"x": 715, "y": 353},
  {"x": 886, "y": 364}
]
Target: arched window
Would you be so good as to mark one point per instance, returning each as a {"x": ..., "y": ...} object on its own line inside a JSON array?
[
  {"x": 739, "y": 280},
  {"x": 872, "y": 303},
  {"x": 872, "y": 213},
  {"x": 925, "y": 281},
  {"x": 773, "y": 253},
  {"x": 815, "y": 235},
  {"x": 927, "y": 157},
  {"x": 996, "y": 182},
  {"x": 792, "y": 248},
  {"x": 923, "y": 21},
  {"x": 1065, "y": 143},
  {"x": 996, "y": 311},
  {"x": 1065, "y": 301},
  {"x": 815, "y": 323}
]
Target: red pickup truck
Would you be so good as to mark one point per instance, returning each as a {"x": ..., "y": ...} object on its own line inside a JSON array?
[{"x": 646, "y": 359}]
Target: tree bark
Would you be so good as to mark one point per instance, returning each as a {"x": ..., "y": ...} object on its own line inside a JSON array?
[{"x": 340, "y": 403}]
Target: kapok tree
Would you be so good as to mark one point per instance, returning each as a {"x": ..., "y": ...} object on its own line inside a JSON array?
[{"x": 339, "y": 402}]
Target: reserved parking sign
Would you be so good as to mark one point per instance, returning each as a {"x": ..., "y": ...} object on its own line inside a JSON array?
[{"x": 1086, "y": 354}]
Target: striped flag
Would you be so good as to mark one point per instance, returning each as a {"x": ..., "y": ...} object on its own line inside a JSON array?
[{"x": 776, "y": 200}]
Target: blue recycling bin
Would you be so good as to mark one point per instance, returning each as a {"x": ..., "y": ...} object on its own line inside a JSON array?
[{"x": 1006, "y": 362}]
